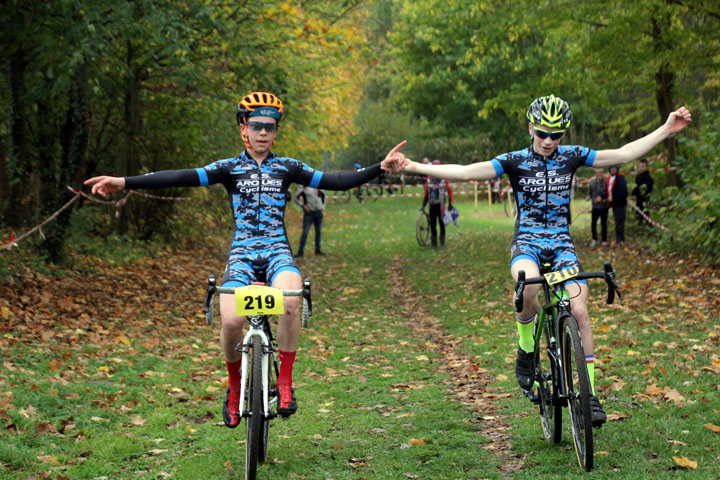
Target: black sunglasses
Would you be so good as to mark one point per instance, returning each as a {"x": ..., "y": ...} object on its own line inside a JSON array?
[
  {"x": 542, "y": 134},
  {"x": 259, "y": 126}
]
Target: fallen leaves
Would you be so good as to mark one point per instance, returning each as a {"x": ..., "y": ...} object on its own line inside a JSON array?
[
  {"x": 712, "y": 428},
  {"x": 685, "y": 462}
]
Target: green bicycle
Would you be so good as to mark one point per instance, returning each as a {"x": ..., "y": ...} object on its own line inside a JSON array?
[{"x": 561, "y": 377}]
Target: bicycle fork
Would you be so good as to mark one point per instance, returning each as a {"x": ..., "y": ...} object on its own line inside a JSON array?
[{"x": 244, "y": 348}]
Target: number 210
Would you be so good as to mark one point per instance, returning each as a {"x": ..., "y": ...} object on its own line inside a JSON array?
[{"x": 269, "y": 302}]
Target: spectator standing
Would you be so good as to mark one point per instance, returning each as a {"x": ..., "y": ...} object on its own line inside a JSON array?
[
  {"x": 643, "y": 187},
  {"x": 617, "y": 199},
  {"x": 597, "y": 191},
  {"x": 436, "y": 190},
  {"x": 312, "y": 201}
]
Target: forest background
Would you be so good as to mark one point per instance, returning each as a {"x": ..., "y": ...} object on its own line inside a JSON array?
[{"x": 128, "y": 87}]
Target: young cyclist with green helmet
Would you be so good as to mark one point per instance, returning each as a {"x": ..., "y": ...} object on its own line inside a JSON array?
[
  {"x": 541, "y": 176},
  {"x": 256, "y": 182}
]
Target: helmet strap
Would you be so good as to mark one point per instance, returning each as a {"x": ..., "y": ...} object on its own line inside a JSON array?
[
  {"x": 246, "y": 140},
  {"x": 244, "y": 136}
]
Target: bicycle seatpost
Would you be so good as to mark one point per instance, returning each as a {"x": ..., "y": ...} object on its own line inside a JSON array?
[{"x": 519, "y": 287}]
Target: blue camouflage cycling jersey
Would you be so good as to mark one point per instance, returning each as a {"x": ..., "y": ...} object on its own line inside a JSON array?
[
  {"x": 542, "y": 191},
  {"x": 257, "y": 195}
]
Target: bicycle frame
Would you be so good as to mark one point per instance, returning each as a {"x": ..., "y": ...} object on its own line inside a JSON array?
[{"x": 557, "y": 304}]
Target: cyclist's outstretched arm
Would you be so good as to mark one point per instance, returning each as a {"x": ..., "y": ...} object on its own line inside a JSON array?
[
  {"x": 676, "y": 121},
  {"x": 476, "y": 171},
  {"x": 164, "y": 179}
]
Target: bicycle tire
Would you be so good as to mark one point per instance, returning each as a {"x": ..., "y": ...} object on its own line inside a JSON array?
[
  {"x": 548, "y": 385},
  {"x": 577, "y": 384},
  {"x": 422, "y": 229},
  {"x": 254, "y": 402}
]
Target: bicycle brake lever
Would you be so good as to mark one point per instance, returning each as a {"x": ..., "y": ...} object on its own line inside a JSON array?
[
  {"x": 519, "y": 287},
  {"x": 307, "y": 295},
  {"x": 611, "y": 284},
  {"x": 209, "y": 292}
]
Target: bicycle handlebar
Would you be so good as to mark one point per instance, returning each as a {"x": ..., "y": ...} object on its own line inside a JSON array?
[
  {"x": 213, "y": 289},
  {"x": 607, "y": 274}
]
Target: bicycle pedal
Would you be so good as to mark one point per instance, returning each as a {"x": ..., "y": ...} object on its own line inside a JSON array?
[{"x": 533, "y": 398}]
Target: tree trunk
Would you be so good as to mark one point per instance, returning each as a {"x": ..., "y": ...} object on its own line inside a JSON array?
[
  {"x": 74, "y": 149},
  {"x": 127, "y": 163},
  {"x": 665, "y": 81},
  {"x": 19, "y": 159},
  {"x": 4, "y": 185}
]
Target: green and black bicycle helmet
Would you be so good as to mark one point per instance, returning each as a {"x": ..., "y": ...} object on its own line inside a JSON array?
[{"x": 550, "y": 111}]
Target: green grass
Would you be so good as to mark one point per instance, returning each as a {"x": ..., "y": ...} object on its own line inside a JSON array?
[{"x": 130, "y": 386}]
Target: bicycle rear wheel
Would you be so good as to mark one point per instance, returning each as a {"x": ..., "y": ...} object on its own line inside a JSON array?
[
  {"x": 422, "y": 229},
  {"x": 577, "y": 384},
  {"x": 254, "y": 407},
  {"x": 548, "y": 384}
]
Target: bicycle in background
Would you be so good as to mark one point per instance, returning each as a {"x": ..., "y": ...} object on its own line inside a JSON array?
[
  {"x": 422, "y": 228},
  {"x": 258, "y": 392},
  {"x": 561, "y": 377}
]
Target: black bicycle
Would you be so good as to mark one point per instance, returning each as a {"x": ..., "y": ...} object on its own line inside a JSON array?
[
  {"x": 258, "y": 390},
  {"x": 561, "y": 377}
]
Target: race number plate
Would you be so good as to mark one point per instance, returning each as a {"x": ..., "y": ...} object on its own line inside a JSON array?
[
  {"x": 259, "y": 300},
  {"x": 561, "y": 275}
]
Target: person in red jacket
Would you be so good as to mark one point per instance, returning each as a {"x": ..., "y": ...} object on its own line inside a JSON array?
[{"x": 436, "y": 191}]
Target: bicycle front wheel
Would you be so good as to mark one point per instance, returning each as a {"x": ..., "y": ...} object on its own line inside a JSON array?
[
  {"x": 422, "y": 229},
  {"x": 254, "y": 408},
  {"x": 577, "y": 384},
  {"x": 548, "y": 384}
]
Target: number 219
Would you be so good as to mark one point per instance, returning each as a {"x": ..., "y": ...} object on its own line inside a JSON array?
[{"x": 258, "y": 303}]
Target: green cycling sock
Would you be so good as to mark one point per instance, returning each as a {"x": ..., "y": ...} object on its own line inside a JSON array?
[
  {"x": 525, "y": 330},
  {"x": 590, "y": 362}
]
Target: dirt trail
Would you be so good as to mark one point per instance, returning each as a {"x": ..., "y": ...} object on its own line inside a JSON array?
[{"x": 468, "y": 383}]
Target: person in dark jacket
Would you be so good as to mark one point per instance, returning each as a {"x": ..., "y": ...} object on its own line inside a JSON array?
[
  {"x": 597, "y": 191},
  {"x": 643, "y": 187},
  {"x": 312, "y": 201},
  {"x": 617, "y": 194}
]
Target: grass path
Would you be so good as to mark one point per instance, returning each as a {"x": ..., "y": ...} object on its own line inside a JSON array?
[{"x": 405, "y": 372}]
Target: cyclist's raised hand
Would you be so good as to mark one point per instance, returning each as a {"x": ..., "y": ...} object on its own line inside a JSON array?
[
  {"x": 678, "y": 120},
  {"x": 104, "y": 184},
  {"x": 394, "y": 161}
]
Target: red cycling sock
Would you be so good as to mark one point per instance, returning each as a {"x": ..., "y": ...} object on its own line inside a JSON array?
[
  {"x": 287, "y": 360},
  {"x": 234, "y": 375}
]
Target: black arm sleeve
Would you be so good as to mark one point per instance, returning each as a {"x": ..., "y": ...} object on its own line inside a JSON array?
[
  {"x": 348, "y": 180},
  {"x": 165, "y": 179}
]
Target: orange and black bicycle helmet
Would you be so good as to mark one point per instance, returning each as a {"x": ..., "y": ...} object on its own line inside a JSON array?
[{"x": 253, "y": 104}]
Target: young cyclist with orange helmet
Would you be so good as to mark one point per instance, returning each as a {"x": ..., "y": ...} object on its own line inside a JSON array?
[
  {"x": 256, "y": 182},
  {"x": 541, "y": 176}
]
